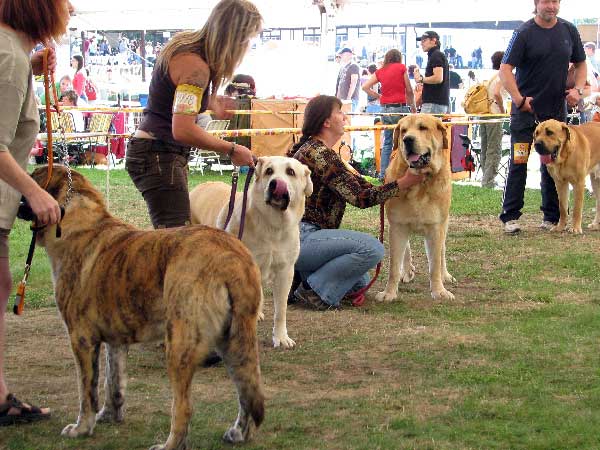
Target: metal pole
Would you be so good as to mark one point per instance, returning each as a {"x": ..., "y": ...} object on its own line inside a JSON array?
[{"x": 143, "y": 54}]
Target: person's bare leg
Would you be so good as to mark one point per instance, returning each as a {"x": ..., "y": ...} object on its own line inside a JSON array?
[{"x": 5, "y": 288}]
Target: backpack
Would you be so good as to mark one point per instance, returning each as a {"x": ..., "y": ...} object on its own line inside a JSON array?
[
  {"x": 476, "y": 99},
  {"x": 90, "y": 90}
]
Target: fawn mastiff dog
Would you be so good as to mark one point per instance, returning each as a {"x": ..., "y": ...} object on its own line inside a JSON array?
[
  {"x": 275, "y": 207},
  {"x": 195, "y": 287},
  {"x": 420, "y": 145},
  {"x": 571, "y": 153}
]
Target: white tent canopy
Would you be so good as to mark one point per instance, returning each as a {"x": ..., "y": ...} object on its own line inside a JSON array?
[{"x": 188, "y": 14}]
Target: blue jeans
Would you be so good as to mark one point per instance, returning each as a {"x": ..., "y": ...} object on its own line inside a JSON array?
[
  {"x": 334, "y": 262},
  {"x": 373, "y": 108},
  {"x": 434, "y": 108},
  {"x": 388, "y": 135}
]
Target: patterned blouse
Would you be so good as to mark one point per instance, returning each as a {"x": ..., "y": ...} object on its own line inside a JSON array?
[{"x": 334, "y": 186}]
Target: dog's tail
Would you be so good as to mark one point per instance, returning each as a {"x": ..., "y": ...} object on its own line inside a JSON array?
[{"x": 240, "y": 352}]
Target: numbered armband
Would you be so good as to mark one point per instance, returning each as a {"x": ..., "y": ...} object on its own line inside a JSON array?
[{"x": 188, "y": 99}]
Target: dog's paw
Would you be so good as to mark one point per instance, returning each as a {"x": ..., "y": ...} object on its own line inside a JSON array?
[
  {"x": 442, "y": 294},
  {"x": 448, "y": 278},
  {"x": 576, "y": 230},
  {"x": 74, "y": 430},
  {"x": 234, "y": 435},
  {"x": 283, "y": 341},
  {"x": 383, "y": 296},
  {"x": 109, "y": 415},
  {"x": 261, "y": 316},
  {"x": 594, "y": 226},
  {"x": 158, "y": 447},
  {"x": 559, "y": 228}
]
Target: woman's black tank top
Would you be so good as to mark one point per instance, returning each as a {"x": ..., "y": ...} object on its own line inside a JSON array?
[{"x": 158, "y": 113}]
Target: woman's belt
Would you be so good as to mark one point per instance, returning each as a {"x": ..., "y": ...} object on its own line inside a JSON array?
[
  {"x": 395, "y": 105},
  {"x": 156, "y": 145},
  {"x": 162, "y": 146}
]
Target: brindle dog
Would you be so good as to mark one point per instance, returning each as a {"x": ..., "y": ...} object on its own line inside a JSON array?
[{"x": 196, "y": 287}]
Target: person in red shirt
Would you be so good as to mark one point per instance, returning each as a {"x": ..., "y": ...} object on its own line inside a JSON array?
[
  {"x": 79, "y": 76},
  {"x": 396, "y": 97}
]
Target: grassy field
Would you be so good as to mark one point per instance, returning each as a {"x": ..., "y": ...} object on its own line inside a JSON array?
[{"x": 512, "y": 363}]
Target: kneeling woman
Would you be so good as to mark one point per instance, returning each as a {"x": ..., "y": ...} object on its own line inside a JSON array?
[{"x": 334, "y": 262}]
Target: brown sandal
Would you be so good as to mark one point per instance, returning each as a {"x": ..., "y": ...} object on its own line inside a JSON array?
[{"x": 25, "y": 413}]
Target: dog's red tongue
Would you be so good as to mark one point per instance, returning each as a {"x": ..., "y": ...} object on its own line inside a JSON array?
[
  {"x": 545, "y": 159},
  {"x": 413, "y": 157},
  {"x": 280, "y": 188}
]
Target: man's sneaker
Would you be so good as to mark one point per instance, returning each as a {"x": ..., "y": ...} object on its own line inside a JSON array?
[
  {"x": 512, "y": 227},
  {"x": 547, "y": 225},
  {"x": 311, "y": 299}
]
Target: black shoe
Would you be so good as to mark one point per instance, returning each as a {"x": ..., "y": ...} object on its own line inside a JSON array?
[
  {"x": 311, "y": 299},
  {"x": 295, "y": 283}
]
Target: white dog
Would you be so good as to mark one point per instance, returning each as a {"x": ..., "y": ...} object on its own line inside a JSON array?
[{"x": 275, "y": 207}]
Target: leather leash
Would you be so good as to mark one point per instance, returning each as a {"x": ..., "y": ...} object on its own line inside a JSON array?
[
  {"x": 49, "y": 81},
  {"x": 358, "y": 297},
  {"x": 234, "y": 181},
  {"x": 24, "y": 209}
]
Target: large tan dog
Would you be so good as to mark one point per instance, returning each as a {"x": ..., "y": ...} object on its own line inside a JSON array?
[
  {"x": 276, "y": 201},
  {"x": 419, "y": 144},
  {"x": 195, "y": 287},
  {"x": 570, "y": 153}
]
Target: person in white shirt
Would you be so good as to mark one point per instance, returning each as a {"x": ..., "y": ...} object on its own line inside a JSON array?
[
  {"x": 593, "y": 81},
  {"x": 491, "y": 133}
]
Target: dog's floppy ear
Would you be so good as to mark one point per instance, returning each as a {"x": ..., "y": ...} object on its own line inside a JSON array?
[
  {"x": 308, "y": 187},
  {"x": 258, "y": 167},
  {"x": 442, "y": 128},
  {"x": 567, "y": 132},
  {"x": 396, "y": 137}
]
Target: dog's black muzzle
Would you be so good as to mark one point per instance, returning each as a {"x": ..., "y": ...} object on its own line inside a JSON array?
[
  {"x": 26, "y": 213},
  {"x": 278, "y": 195},
  {"x": 415, "y": 160},
  {"x": 542, "y": 150}
]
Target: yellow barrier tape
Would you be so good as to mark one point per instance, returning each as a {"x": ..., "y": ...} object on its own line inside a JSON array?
[{"x": 264, "y": 111}]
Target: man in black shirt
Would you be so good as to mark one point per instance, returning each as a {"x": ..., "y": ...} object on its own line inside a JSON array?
[
  {"x": 456, "y": 81},
  {"x": 436, "y": 82},
  {"x": 541, "y": 50}
]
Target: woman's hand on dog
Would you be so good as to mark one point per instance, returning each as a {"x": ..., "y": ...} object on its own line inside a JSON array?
[
  {"x": 44, "y": 206},
  {"x": 409, "y": 179}
]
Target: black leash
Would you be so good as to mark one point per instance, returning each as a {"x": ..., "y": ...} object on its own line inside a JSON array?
[
  {"x": 234, "y": 181},
  {"x": 20, "y": 295},
  {"x": 26, "y": 213},
  {"x": 244, "y": 202}
]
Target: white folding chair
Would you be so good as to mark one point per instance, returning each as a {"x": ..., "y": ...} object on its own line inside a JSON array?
[{"x": 199, "y": 157}]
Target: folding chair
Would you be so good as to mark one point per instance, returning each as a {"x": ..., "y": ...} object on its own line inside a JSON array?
[
  {"x": 199, "y": 158},
  {"x": 99, "y": 123},
  {"x": 74, "y": 148},
  {"x": 504, "y": 164}
]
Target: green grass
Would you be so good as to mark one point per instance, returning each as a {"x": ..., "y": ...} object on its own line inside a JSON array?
[{"x": 512, "y": 363}]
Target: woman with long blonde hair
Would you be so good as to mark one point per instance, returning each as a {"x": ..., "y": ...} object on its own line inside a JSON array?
[
  {"x": 188, "y": 73},
  {"x": 23, "y": 24}
]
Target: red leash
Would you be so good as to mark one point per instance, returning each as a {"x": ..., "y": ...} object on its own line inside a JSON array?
[{"x": 358, "y": 297}]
